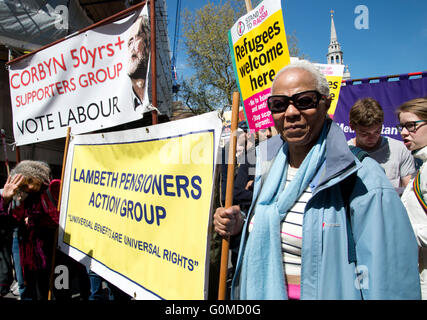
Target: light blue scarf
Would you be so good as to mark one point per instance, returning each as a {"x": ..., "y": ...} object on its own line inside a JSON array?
[{"x": 262, "y": 274}]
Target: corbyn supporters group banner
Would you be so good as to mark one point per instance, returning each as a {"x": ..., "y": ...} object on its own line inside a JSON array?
[
  {"x": 136, "y": 206},
  {"x": 94, "y": 80},
  {"x": 259, "y": 50}
]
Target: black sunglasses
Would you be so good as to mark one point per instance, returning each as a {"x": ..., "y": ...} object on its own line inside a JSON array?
[
  {"x": 302, "y": 101},
  {"x": 411, "y": 126}
]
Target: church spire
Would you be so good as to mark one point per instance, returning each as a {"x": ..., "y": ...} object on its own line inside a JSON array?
[
  {"x": 335, "y": 54},
  {"x": 333, "y": 31}
]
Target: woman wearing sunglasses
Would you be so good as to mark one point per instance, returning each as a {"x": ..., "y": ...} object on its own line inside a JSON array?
[
  {"x": 298, "y": 241},
  {"x": 413, "y": 128}
]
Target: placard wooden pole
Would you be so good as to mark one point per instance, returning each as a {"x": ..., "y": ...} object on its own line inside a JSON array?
[
  {"x": 17, "y": 152},
  {"x": 230, "y": 184},
  {"x": 6, "y": 160},
  {"x": 229, "y": 193},
  {"x": 55, "y": 241},
  {"x": 248, "y": 5},
  {"x": 153, "y": 44}
]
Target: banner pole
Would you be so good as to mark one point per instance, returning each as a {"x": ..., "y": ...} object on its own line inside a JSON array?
[
  {"x": 229, "y": 193},
  {"x": 18, "y": 155},
  {"x": 55, "y": 241},
  {"x": 17, "y": 151},
  {"x": 230, "y": 184},
  {"x": 248, "y": 5},
  {"x": 153, "y": 60},
  {"x": 6, "y": 160}
]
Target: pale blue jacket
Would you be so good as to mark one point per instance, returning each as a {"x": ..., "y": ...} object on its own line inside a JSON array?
[{"x": 386, "y": 248}]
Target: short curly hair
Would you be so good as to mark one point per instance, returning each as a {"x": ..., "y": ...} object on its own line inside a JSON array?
[
  {"x": 366, "y": 112},
  {"x": 33, "y": 169},
  {"x": 320, "y": 80}
]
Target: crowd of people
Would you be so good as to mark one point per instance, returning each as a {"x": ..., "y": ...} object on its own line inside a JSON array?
[{"x": 310, "y": 218}]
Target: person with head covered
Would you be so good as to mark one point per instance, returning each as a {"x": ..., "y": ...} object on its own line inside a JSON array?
[
  {"x": 29, "y": 196},
  {"x": 302, "y": 238}
]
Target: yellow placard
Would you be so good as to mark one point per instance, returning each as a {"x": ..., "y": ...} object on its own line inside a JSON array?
[
  {"x": 260, "y": 54},
  {"x": 334, "y": 91},
  {"x": 142, "y": 210},
  {"x": 259, "y": 50},
  {"x": 333, "y": 74}
]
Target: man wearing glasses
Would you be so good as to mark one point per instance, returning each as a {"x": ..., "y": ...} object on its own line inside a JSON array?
[
  {"x": 301, "y": 238},
  {"x": 366, "y": 119}
]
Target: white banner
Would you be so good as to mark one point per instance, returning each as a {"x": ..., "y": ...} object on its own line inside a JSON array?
[{"x": 94, "y": 80}]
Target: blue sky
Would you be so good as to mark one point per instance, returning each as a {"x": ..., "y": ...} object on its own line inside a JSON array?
[{"x": 394, "y": 43}]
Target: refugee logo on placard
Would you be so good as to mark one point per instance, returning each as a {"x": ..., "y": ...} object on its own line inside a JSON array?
[{"x": 240, "y": 28}]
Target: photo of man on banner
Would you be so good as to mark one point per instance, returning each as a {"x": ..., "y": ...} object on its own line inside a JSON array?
[{"x": 138, "y": 59}]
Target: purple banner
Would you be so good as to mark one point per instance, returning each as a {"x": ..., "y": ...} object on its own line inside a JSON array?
[{"x": 389, "y": 92}]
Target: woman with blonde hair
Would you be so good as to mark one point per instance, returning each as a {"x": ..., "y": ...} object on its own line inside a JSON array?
[{"x": 413, "y": 128}]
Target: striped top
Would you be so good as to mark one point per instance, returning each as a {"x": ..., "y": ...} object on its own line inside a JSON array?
[{"x": 291, "y": 237}]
